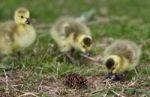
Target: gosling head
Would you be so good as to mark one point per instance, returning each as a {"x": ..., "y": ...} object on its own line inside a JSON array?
[
  {"x": 112, "y": 62},
  {"x": 22, "y": 16},
  {"x": 84, "y": 43}
]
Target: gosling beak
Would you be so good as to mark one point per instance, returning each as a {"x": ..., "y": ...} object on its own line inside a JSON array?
[
  {"x": 28, "y": 21},
  {"x": 86, "y": 53},
  {"x": 109, "y": 75}
]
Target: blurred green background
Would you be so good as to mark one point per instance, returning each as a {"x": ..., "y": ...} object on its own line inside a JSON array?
[{"x": 48, "y": 10}]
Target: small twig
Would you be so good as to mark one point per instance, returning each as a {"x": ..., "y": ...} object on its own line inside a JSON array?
[
  {"x": 44, "y": 34},
  {"x": 136, "y": 72},
  {"x": 107, "y": 84},
  {"x": 116, "y": 93},
  {"x": 57, "y": 68},
  {"x": 6, "y": 81},
  {"x": 40, "y": 85},
  {"x": 90, "y": 58},
  {"x": 73, "y": 61},
  {"x": 131, "y": 84},
  {"x": 105, "y": 95},
  {"x": 27, "y": 94},
  {"x": 16, "y": 89},
  {"x": 94, "y": 92},
  {"x": 17, "y": 85}
]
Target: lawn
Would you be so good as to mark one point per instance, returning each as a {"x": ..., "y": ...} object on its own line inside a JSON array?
[{"x": 40, "y": 70}]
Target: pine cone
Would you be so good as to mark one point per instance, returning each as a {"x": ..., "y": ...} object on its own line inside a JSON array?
[{"x": 75, "y": 80}]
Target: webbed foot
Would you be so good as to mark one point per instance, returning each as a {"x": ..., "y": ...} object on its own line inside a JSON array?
[
  {"x": 118, "y": 77},
  {"x": 109, "y": 75}
]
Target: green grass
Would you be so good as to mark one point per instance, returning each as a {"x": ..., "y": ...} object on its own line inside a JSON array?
[{"x": 41, "y": 60}]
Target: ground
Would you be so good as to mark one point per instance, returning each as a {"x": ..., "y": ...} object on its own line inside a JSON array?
[{"x": 40, "y": 70}]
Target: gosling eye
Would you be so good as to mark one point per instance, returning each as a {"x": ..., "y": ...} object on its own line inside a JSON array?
[
  {"x": 110, "y": 63},
  {"x": 87, "y": 41},
  {"x": 22, "y": 17}
]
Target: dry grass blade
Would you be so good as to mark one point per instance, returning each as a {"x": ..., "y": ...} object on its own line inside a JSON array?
[
  {"x": 117, "y": 94},
  {"x": 28, "y": 94}
]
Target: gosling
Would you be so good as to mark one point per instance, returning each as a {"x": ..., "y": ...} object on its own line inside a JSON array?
[
  {"x": 121, "y": 57},
  {"x": 71, "y": 34},
  {"x": 17, "y": 35}
]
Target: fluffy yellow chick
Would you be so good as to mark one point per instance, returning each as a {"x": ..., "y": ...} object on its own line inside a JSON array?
[
  {"x": 69, "y": 33},
  {"x": 121, "y": 56},
  {"x": 18, "y": 34}
]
